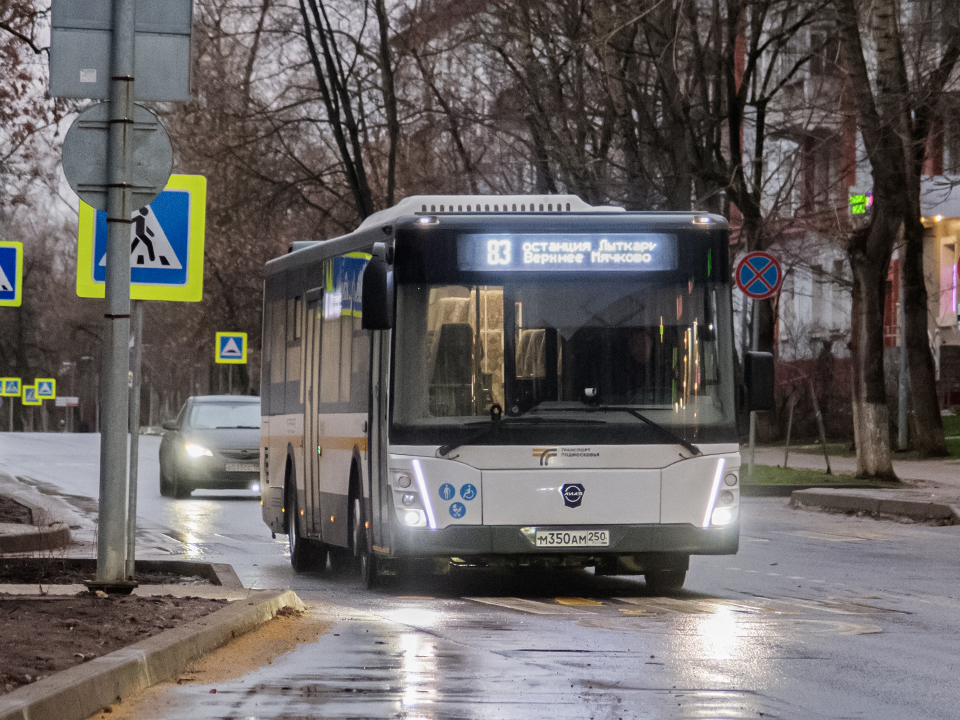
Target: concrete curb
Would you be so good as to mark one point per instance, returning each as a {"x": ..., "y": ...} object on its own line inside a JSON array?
[
  {"x": 219, "y": 574},
  {"x": 876, "y": 503},
  {"x": 50, "y": 529},
  {"x": 79, "y": 692}
]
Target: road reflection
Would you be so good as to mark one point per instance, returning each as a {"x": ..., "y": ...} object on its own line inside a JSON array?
[{"x": 192, "y": 521}]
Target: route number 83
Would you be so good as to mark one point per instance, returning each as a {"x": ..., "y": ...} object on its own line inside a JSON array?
[{"x": 499, "y": 252}]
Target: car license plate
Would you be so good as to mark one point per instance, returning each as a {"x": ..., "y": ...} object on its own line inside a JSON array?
[
  {"x": 242, "y": 467},
  {"x": 573, "y": 538}
]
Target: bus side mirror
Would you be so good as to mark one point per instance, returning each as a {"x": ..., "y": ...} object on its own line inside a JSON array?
[
  {"x": 377, "y": 295},
  {"x": 758, "y": 379}
]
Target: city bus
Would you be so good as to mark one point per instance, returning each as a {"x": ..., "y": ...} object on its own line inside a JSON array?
[{"x": 519, "y": 381}]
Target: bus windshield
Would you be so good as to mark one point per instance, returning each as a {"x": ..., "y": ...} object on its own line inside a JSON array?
[{"x": 565, "y": 349}]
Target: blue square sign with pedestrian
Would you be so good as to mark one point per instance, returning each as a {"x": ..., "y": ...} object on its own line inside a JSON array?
[
  {"x": 166, "y": 245},
  {"x": 11, "y": 273},
  {"x": 159, "y": 243}
]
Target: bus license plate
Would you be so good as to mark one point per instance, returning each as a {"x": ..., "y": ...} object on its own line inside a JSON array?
[
  {"x": 573, "y": 538},
  {"x": 242, "y": 467}
]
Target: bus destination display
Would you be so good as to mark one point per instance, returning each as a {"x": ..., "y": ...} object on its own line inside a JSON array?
[{"x": 581, "y": 252}]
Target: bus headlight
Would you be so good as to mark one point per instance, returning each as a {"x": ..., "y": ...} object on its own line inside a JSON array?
[
  {"x": 404, "y": 481},
  {"x": 414, "y": 518},
  {"x": 197, "y": 451},
  {"x": 723, "y": 516},
  {"x": 408, "y": 499}
]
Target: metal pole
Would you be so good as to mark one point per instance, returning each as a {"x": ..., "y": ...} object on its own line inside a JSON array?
[
  {"x": 786, "y": 449},
  {"x": 902, "y": 439},
  {"x": 819, "y": 416},
  {"x": 229, "y": 379},
  {"x": 111, "y": 546},
  {"x": 96, "y": 402},
  {"x": 753, "y": 414},
  {"x": 134, "y": 437}
]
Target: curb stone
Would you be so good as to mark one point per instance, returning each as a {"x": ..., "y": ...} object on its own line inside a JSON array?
[
  {"x": 50, "y": 529},
  {"x": 876, "y": 504},
  {"x": 81, "y": 691}
]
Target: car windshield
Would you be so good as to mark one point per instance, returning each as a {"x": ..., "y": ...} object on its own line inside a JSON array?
[
  {"x": 565, "y": 348},
  {"x": 213, "y": 415}
]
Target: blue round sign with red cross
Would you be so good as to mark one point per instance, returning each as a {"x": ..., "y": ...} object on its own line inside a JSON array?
[{"x": 759, "y": 275}]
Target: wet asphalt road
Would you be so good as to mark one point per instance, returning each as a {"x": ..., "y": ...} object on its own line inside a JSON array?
[{"x": 818, "y": 616}]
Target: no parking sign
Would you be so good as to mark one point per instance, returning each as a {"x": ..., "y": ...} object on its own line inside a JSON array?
[{"x": 759, "y": 275}]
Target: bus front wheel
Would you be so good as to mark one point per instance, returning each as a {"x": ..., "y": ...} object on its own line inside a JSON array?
[{"x": 665, "y": 581}]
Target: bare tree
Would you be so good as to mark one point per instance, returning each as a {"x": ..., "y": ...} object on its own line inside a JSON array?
[{"x": 894, "y": 117}]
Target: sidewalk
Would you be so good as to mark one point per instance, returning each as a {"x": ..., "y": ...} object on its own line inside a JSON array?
[
  {"x": 931, "y": 492},
  {"x": 80, "y": 692}
]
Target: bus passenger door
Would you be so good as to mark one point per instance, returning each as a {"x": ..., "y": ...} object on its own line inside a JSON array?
[
  {"x": 377, "y": 446},
  {"x": 311, "y": 403}
]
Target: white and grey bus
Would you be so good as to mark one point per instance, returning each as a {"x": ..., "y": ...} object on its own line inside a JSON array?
[{"x": 513, "y": 380}]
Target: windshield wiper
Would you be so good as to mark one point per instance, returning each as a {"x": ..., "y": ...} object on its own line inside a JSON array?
[
  {"x": 493, "y": 426},
  {"x": 655, "y": 425}
]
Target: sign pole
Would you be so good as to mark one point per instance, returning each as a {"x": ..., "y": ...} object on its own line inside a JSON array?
[
  {"x": 753, "y": 414},
  {"x": 134, "y": 437},
  {"x": 113, "y": 442},
  {"x": 903, "y": 381}
]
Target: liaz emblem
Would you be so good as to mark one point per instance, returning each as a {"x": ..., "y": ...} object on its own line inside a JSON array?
[{"x": 572, "y": 494}]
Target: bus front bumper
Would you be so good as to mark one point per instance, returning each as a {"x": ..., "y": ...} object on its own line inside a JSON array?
[{"x": 484, "y": 540}]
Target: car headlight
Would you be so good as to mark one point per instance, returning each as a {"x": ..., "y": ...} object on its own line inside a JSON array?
[{"x": 196, "y": 451}]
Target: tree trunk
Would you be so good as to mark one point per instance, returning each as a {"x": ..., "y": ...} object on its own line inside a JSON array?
[
  {"x": 871, "y": 420},
  {"x": 928, "y": 440}
]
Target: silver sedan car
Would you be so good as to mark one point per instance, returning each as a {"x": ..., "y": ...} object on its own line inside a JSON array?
[{"x": 214, "y": 444}]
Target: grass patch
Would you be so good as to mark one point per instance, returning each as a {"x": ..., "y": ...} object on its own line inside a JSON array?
[
  {"x": 843, "y": 450},
  {"x": 775, "y": 475},
  {"x": 951, "y": 425}
]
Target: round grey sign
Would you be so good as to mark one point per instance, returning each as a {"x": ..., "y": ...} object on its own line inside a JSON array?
[{"x": 85, "y": 156}]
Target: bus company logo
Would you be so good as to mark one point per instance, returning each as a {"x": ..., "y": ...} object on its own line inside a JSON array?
[
  {"x": 572, "y": 494},
  {"x": 545, "y": 455}
]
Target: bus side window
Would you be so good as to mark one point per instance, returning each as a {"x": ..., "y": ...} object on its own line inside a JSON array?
[
  {"x": 360, "y": 368},
  {"x": 278, "y": 354},
  {"x": 451, "y": 382},
  {"x": 330, "y": 359},
  {"x": 292, "y": 397}
]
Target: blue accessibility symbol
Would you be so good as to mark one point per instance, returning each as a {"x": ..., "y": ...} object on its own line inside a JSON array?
[
  {"x": 458, "y": 510},
  {"x": 447, "y": 491},
  {"x": 468, "y": 492}
]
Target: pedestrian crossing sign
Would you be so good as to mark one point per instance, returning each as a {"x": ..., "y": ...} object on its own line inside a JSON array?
[
  {"x": 11, "y": 274},
  {"x": 30, "y": 396},
  {"x": 166, "y": 245},
  {"x": 46, "y": 388},
  {"x": 232, "y": 348},
  {"x": 10, "y": 387}
]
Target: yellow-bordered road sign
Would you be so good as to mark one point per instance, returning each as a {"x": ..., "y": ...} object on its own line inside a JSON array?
[
  {"x": 30, "y": 396},
  {"x": 231, "y": 348},
  {"x": 10, "y": 387},
  {"x": 46, "y": 388},
  {"x": 11, "y": 274},
  {"x": 166, "y": 245}
]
